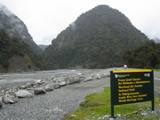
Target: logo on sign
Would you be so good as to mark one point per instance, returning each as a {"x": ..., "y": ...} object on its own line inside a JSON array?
[{"x": 121, "y": 75}]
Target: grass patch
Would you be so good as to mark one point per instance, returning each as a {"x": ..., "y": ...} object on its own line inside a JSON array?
[
  {"x": 156, "y": 70},
  {"x": 98, "y": 104}
]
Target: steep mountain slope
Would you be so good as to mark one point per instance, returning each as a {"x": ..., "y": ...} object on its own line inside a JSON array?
[
  {"x": 13, "y": 26},
  {"x": 43, "y": 47},
  {"x": 18, "y": 52},
  {"x": 97, "y": 39}
]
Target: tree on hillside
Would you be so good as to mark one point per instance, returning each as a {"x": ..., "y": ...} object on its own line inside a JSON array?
[{"x": 145, "y": 56}]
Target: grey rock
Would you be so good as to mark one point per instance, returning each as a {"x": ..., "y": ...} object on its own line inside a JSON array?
[
  {"x": 49, "y": 87},
  {"x": 9, "y": 99},
  {"x": 89, "y": 78},
  {"x": 23, "y": 94},
  {"x": 1, "y": 104},
  {"x": 58, "y": 79},
  {"x": 38, "y": 91},
  {"x": 27, "y": 85},
  {"x": 56, "y": 86},
  {"x": 74, "y": 79}
]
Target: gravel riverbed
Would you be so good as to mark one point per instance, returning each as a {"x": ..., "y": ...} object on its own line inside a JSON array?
[{"x": 55, "y": 104}]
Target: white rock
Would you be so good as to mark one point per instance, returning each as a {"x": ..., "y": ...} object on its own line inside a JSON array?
[
  {"x": 79, "y": 73},
  {"x": 119, "y": 115},
  {"x": 57, "y": 110},
  {"x": 62, "y": 83},
  {"x": 105, "y": 117},
  {"x": 23, "y": 87},
  {"x": 23, "y": 94},
  {"x": 98, "y": 76},
  {"x": 144, "y": 113},
  {"x": 39, "y": 82}
]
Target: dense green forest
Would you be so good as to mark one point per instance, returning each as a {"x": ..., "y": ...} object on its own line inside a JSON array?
[
  {"x": 10, "y": 47},
  {"x": 145, "y": 56}
]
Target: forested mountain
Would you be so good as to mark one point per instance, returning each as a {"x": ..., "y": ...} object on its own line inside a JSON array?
[
  {"x": 145, "y": 56},
  {"x": 13, "y": 26},
  {"x": 97, "y": 39},
  {"x": 18, "y": 52}
]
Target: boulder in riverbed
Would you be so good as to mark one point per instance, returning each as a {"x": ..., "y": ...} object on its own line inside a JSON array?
[
  {"x": 39, "y": 82},
  {"x": 62, "y": 83},
  {"x": 9, "y": 99},
  {"x": 27, "y": 85},
  {"x": 56, "y": 86},
  {"x": 1, "y": 104},
  {"x": 23, "y": 94},
  {"x": 73, "y": 79},
  {"x": 38, "y": 91},
  {"x": 49, "y": 87}
]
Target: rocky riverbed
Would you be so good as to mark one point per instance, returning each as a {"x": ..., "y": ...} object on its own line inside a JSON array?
[{"x": 47, "y": 95}]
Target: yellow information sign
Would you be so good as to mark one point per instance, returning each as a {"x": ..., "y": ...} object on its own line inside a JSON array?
[{"x": 131, "y": 86}]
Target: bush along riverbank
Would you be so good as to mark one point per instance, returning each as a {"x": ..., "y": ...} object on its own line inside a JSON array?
[{"x": 97, "y": 107}]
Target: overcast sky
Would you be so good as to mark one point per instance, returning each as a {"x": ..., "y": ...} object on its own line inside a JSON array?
[{"x": 45, "y": 19}]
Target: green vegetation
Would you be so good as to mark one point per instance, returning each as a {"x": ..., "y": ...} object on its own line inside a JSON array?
[
  {"x": 16, "y": 44},
  {"x": 10, "y": 47},
  {"x": 145, "y": 56},
  {"x": 97, "y": 39},
  {"x": 97, "y": 105}
]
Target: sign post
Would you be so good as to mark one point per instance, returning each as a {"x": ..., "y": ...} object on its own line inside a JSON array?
[{"x": 131, "y": 86}]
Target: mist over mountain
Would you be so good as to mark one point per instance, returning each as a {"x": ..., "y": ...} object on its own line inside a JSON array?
[
  {"x": 18, "y": 52},
  {"x": 157, "y": 40},
  {"x": 43, "y": 47},
  {"x": 13, "y": 26},
  {"x": 97, "y": 39}
]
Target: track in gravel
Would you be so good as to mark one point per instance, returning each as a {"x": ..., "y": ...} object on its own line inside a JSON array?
[{"x": 53, "y": 105}]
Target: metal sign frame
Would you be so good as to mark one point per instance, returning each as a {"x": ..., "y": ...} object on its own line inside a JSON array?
[{"x": 131, "y": 86}]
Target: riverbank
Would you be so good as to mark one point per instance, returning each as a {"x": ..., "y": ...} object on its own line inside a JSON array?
[
  {"x": 54, "y": 104},
  {"x": 97, "y": 107}
]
